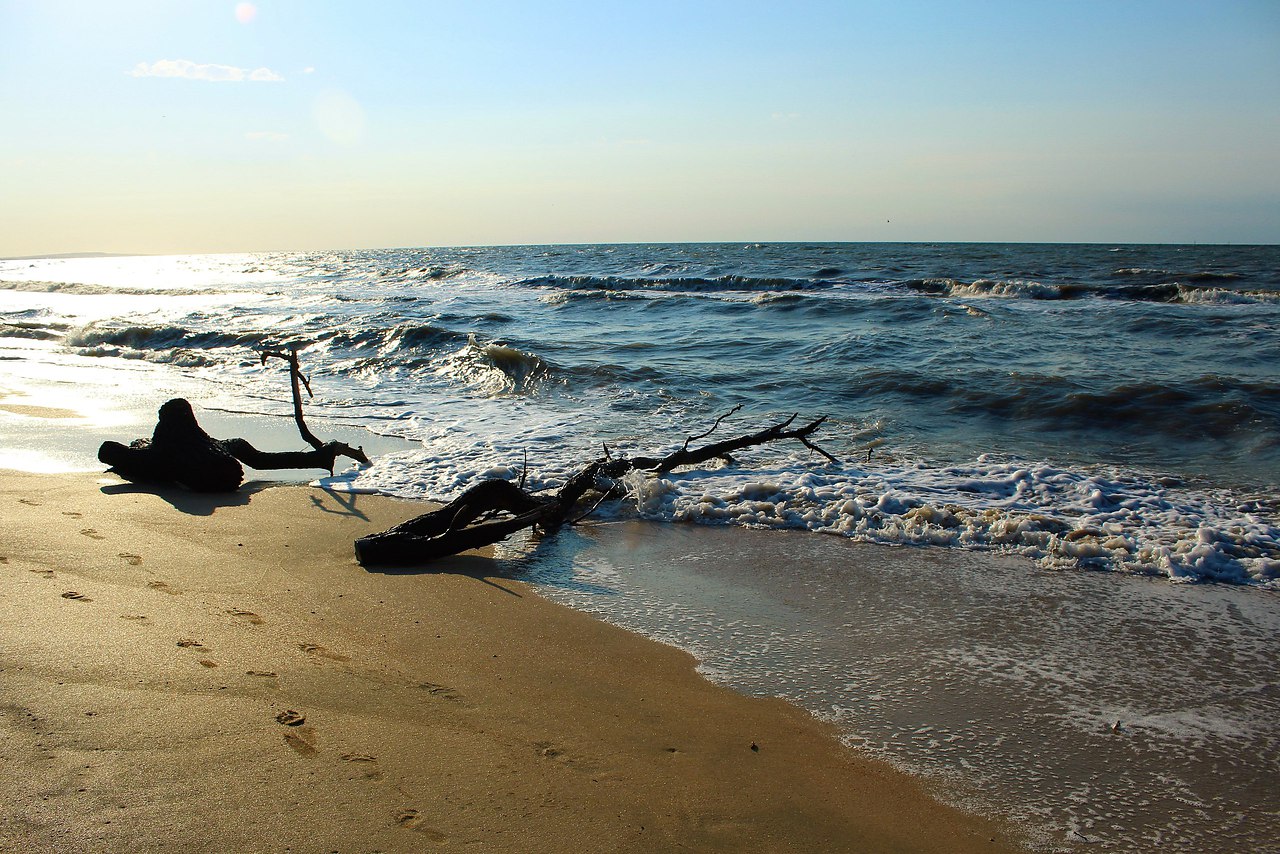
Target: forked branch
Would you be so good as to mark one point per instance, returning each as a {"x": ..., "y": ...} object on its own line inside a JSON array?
[
  {"x": 454, "y": 528},
  {"x": 297, "y": 381}
]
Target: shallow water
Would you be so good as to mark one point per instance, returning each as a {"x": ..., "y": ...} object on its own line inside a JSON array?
[{"x": 1100, "y": 712}]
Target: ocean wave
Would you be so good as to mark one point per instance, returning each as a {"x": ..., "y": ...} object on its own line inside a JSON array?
[
  {"x": 1166, "y": 275},
  {"x": 1061, "y": 518},
  {"x": 1208, "y": 406},
  {"x": 1012, "y": 288},
  {"x": 494, "y": 368},
  {"x": 138, "y": 337},
  {"x": 1225, "y": 296},
  {"x": 570, "y": 297},
  {"x": 1058, "y": 517},
  {"x": 687, "y": 284},
  {"x": 178, "y": 357},
  {"x": 432, "y": 273},
  {"x": 412, "y": 336},
  {"x": 32, "y": 330},
  {"x": 783, "y": 300},
  {"x": 81, "y": 289},
  {"x": 1162, "y": 292}
]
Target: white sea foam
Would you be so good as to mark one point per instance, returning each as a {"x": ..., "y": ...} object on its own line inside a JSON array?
[{"x": 1058, "y": 517}]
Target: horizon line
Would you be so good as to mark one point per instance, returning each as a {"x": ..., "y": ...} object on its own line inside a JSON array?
[{"x": 54, "y": 256}]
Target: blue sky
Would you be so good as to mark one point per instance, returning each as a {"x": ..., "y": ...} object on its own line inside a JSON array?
[{"x": 188, "y": 125}]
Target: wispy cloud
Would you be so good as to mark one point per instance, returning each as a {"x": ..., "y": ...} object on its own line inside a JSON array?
[{"x": 189, "y": 70}]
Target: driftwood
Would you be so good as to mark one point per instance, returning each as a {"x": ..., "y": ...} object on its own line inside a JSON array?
[
  {"x": 332, "y": 449},
  {"x": 180, "y": 451},
  {"x": 177, "y": 452},
  {"x": 467, "y": 522}
]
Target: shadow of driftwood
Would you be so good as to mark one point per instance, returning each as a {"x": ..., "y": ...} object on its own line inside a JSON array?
[
  {"x": 473, "y": 566},
  {"x": 548, "y": 561},
  {"x": 553, "y": 561},
  {"x": 192, "y": 503},
  {"x": 346, "y": 502}
]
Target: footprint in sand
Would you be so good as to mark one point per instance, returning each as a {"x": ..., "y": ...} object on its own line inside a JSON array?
[
  {"x": 266, "y": 674},
  {"x": 164, "y": 588},
  {"x": 291, "y": 718},
  {"x": 3, "y": 559},
  {"x": 137, "y": 618},
  {"x": 92, "y": 534},
  {"x": 413, "y": 820},
  {"x": 548, "y": 750},
  {"x": 247, "y": 616},
  {"x": 192, "y": 643},
  {"x": 205, "y": 662},
  {"x": 44, "y": 573},
  {"x": 28, "y": 502},
  {"x": 322, "y": 652},
  {"x": 302, "y": 740},
  {"x": 73, "y": 514},
  {"x": 132, "y": 560},
  {"x": 79, "y": 597},
  {"x": 439, "y": 690},
  {"x": 370, "y": 763}
]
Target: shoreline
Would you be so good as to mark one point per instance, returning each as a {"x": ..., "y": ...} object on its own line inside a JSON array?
[{"x": 156, "y": 643}]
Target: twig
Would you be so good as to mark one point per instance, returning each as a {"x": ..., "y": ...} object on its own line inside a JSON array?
[
  {"x": 296, "y": 379},
  {"x": 713, "y": 427}
]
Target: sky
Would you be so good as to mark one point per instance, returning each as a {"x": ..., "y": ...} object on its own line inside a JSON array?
[{"x": 159, "y": 126}]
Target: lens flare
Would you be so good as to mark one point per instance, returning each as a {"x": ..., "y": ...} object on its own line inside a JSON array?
[
  {"x": 339, "y": 117},
  {"x": 246, "y": 12}
]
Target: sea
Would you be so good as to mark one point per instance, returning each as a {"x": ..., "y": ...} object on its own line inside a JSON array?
[{"x": 1042, "y": 572}]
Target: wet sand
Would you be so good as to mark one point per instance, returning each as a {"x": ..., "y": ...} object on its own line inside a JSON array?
[
  {"x": 1099, "y": 710},
  {"x": 194, "y": 673}
]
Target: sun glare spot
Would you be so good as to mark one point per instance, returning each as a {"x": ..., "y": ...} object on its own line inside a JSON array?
[
  {"x": 339, "y": 117},
  {"x": 246, "y": 12}
]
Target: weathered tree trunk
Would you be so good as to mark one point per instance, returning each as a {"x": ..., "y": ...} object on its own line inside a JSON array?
[
  {"x": 181, "y": 452},
  {"x": 454, "y": 528},
  {"x": 178, "y": 452}
]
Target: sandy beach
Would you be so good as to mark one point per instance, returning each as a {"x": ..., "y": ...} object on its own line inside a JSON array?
[{"x": 216, "y": 673}]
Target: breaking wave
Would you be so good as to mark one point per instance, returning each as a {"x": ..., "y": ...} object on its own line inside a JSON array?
[
  {"x": 1163, "y": 292},
  {"x": 693, "y": 284},
  {"x": 82, "y": 289}
]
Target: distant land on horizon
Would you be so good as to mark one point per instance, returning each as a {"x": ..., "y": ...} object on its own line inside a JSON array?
[{"x": 73, "y": 255}]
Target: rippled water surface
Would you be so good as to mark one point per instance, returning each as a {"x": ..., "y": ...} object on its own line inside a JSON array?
[{"x": 1099, "y": 406}]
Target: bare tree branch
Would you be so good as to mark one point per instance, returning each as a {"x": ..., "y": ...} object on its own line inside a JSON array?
[
  {"x": 296, "y": 378},
  {"x": 450, "y": 529}
]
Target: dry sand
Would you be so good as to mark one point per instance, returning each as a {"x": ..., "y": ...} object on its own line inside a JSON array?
[{"x": 194, "y": 673}]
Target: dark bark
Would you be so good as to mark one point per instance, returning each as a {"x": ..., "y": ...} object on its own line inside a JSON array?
[
  {"x": 181, "y": 452},
  {"x": 178, "y": 452},
  {"x": 454, "y": 528},
  {"x": 320, "y": 458},
  {"x": 295, "y": 380}
]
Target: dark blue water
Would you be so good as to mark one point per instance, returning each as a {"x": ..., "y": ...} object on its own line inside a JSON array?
[{"x": 1159, "y": 356}]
